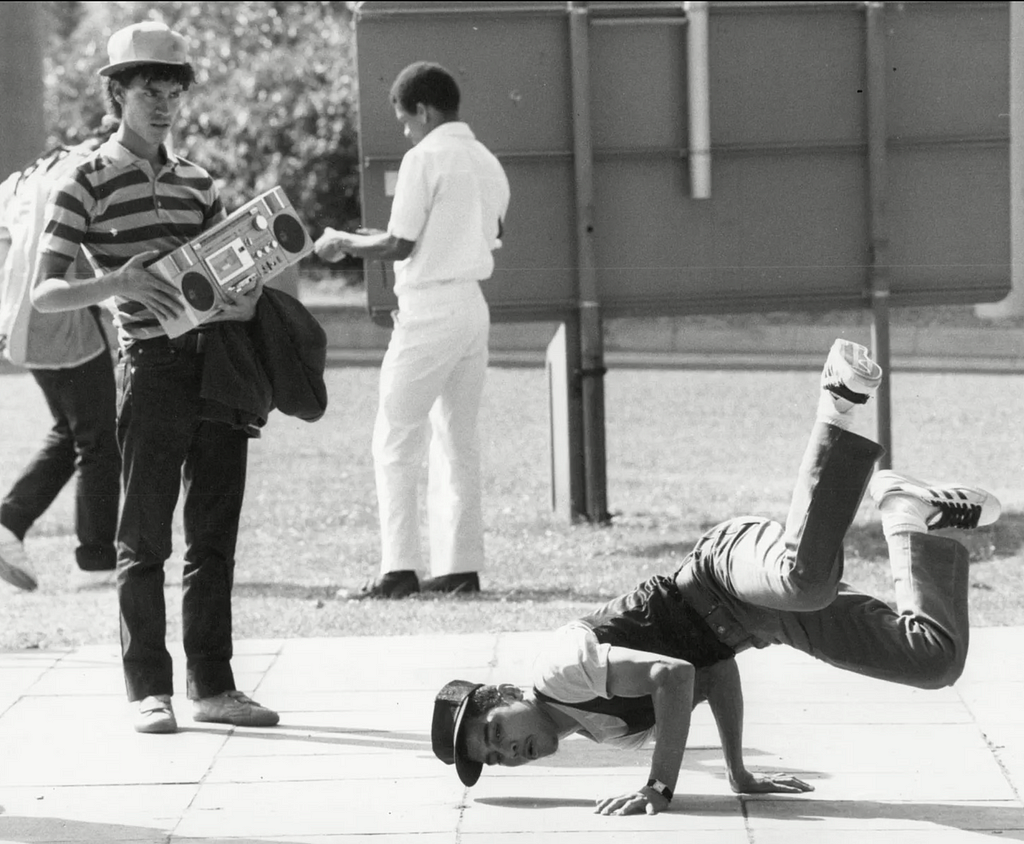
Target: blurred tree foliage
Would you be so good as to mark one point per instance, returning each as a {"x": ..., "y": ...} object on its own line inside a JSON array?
[{"x": 274, "y": 101}]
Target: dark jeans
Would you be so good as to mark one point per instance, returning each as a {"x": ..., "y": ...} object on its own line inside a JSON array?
[
  {"x": 782, "y": 584},
  {"x": 81, "y": 443},
  {"x": 165, "y": 443}
]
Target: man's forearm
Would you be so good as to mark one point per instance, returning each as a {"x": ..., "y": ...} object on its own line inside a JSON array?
[
  {"x": 673, "y": 704},
  {"x": 57, "y": 294},
  {"x": 669, "y": 684},
  {"x": 725, "y": 697},
  {"x": 380, "y": 247},
  {"x": 333, "y": 245}
]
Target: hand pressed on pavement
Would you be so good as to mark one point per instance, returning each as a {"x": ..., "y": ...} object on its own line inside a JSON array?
[
  {"x": 645, "y": 800},
  {"x": 771, "y": 784}
]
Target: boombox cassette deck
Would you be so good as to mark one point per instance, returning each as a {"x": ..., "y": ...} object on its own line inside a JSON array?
[{"x": 255, "y": 243}]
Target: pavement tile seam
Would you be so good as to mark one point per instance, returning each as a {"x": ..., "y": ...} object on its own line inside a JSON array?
[{"x": 1000, "y": 759}]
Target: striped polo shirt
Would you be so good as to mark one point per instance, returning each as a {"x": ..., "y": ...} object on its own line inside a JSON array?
[{"x": 114, "y": 206}]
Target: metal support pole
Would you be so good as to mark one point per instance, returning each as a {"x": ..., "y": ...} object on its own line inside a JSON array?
[
  {"x": 878, "y": 222},
  {"x": 592, "y": 367}
]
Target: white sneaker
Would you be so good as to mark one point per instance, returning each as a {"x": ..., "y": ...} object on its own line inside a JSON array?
[
  {"x": 233, "y": 708},
  {"x": 155, "y": 715},
  {"x": 850, "y": 375},
  {"x": 14, "y": 565},
  {"x": 953, "y": 505},
  {"x": 83, "y": 581}
]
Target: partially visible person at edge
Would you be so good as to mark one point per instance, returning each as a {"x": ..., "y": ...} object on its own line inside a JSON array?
[
  {"x": 447, "y": 216},
  {"x": 68, "y": 356},
  {"x": 632, "y": 671},
  {"x": 132, "y": 202}
]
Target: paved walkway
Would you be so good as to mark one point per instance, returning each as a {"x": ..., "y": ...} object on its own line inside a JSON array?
[{"x": 351, "y": 760}]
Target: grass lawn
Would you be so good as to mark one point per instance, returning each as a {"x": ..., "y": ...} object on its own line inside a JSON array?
[{"x": 686, "y": 449}]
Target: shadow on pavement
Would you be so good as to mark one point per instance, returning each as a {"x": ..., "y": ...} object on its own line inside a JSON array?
[
  {"x": 1005, "y": 821},
  {"x": 319, "y": 734},
  {"x": 18, "y": 828},
  {"x": 535, "y": 802}
]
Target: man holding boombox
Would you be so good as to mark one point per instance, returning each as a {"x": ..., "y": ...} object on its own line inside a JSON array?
[{"x": 130, "y": 203}]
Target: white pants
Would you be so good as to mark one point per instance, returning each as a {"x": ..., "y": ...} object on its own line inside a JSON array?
[{"x": 432, "y": 378}]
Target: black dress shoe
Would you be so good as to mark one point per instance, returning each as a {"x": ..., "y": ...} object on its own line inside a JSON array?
[
  {"x": 462, "y": 583},
  {"x": 389, "y": 586}
]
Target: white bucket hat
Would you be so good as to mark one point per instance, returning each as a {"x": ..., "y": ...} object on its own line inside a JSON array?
[{"x": 149, "y": 42}]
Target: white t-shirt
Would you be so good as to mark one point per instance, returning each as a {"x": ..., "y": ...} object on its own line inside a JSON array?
[
  {"x": 450, "y": 197},
  {"x": 573, "y": 668}
]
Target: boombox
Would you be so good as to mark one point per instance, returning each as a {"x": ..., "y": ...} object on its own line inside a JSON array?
[{"x": 254, "y": 244}]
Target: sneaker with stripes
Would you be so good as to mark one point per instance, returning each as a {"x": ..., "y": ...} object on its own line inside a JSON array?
[{"x": 953, "y": 505}]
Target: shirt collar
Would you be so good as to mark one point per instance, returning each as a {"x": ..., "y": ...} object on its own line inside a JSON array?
[
  {"x": 120, "y": 156},
  {"x": 453, "y": 129}
]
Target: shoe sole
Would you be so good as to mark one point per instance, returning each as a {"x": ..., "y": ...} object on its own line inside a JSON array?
[
  {"x": 404, "y": 589},
  {"x": 17, "y": 577},
  {"x": 157, "y": 728},
  {"x": 239, "y": 722},
  {"x": 991, "y": 509},
  {"x": 458, "y": 590},
  {"x": 375, "y": 596}
]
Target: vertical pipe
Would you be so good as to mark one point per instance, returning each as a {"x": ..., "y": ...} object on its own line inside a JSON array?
[
  {"x": 698, "y": 98},
  {"x": 878, "y": 221},
  {"x": 591, "y": 345}
]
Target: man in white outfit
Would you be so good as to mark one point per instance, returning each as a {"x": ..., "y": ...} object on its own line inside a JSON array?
[{"x": 446, "y": 219}]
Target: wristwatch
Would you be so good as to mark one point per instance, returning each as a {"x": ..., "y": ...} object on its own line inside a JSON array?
[{"x": 661, "y": 788}]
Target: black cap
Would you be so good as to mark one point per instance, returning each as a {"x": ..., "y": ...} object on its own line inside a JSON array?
[{"x": 446, "y": 733}]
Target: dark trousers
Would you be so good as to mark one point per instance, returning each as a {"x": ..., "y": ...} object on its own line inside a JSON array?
[
  {"x": 782, "y": 584},
  {"x": 81, "y": 444},
  {"x": 165, "y": 444}
]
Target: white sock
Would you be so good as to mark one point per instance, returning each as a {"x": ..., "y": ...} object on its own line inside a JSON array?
[
  {"x": 829, "y": 412},
  {"x": 904, "y": 514}
]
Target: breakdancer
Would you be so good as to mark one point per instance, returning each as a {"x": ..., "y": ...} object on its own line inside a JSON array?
[{"x": 631, "y": 672}]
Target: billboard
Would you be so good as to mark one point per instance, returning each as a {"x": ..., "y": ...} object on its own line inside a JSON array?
[{"x": 790, "y": 223}]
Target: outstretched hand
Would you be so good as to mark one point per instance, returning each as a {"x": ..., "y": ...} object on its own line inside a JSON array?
[
  {"x": 771, "y": 784},
  {"x": 332, "y": 245},
  {"x": 645, "y": 800}
]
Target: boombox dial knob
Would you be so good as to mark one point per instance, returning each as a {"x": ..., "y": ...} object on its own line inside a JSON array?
[{"x": 259, "y": 222}]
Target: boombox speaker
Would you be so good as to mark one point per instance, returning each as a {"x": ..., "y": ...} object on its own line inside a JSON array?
[{"x": 257, "y": 242}]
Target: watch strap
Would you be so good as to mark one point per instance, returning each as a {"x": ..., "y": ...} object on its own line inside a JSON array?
[{"x": 661, "y": 788}]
